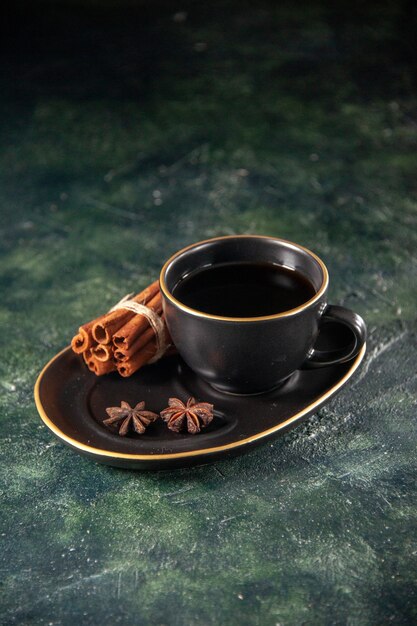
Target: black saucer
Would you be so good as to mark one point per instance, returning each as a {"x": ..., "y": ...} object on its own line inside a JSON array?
[{"x": 72, "y": 401}]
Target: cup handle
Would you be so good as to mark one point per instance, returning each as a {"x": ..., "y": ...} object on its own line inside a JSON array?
[{"x": 354, "y": 322}]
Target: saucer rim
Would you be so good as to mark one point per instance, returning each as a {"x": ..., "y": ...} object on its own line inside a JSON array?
[{"x": 241, "y": 443}]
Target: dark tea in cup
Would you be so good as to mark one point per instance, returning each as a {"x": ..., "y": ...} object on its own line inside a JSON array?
[{"x": 244, "y": 289}]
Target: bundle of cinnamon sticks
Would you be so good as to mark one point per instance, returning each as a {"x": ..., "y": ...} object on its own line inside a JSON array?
[{"x": 121, "y": 340}]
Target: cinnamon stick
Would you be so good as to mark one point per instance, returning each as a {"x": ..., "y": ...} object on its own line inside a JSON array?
[
  {"x": 127, "y": 334},
  {"x": 84, "y": 339},
  {"x": 103, "y": 368},
  {"x": 127, "y": 368},
  {"x": 98, "y": 367},
  {"x": 88, "y": 359},
  {"x": 103, "y": 352},
  {"x": 141, "y": 357},
  {"x": 120, "y": 354},
  {"x": 104, "y": 329}
]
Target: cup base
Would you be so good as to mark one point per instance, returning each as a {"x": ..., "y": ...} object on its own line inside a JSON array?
[{"x": 277, "y": 385}]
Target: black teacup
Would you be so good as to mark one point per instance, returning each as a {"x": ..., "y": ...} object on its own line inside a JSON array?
[{"x": 244, "y": 311}]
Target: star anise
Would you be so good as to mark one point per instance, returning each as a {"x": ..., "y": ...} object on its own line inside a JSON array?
[
  {"x": 191, "y": 417},
  {"x": 136, "y": 418}
]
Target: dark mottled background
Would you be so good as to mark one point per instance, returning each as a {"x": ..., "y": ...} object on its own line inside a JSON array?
[{"x": 128, "y": 130}]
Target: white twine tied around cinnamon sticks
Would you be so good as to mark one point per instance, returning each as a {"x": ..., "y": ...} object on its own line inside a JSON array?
[{"x": 155, "y": 321}]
